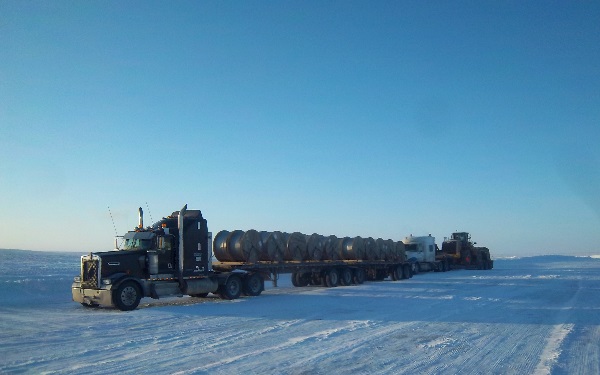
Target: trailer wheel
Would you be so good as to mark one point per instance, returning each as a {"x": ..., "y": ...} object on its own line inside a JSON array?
[
  {"x": 295, "y": 279},
  {"x": 346, "y": 276},
  {"x": 254, "y": 285},
  {"x": 332, "y": 278},
  {"x": 127, "y": 296},
  {"x": 316, "y": 279},
  {"x": 302, "y": 279},
  {"x": 407, "y": 274},
  {"x": 359, "y": 276},
  {"x": 231, "y": 289},
  {"x": 399, "y": 272}
]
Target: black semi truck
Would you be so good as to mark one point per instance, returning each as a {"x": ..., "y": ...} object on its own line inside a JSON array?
[{"x": 173, "y": 257}]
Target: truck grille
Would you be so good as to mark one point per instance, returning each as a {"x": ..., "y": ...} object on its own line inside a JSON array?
[{"x": 89, "y": 277}]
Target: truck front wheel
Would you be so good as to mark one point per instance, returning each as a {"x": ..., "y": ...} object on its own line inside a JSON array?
[{"x": 127, "y": 296}]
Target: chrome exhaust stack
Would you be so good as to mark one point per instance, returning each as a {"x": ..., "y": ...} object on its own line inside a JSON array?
[
  {"x": 180, "y": 227},
  {"x": 141, "y": 221}
]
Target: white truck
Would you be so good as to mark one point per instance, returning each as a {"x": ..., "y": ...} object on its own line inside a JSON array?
[{"x": 424, "y": 255}]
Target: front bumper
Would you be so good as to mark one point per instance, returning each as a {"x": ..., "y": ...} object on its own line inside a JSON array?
[{"x": 92, "y": 297}]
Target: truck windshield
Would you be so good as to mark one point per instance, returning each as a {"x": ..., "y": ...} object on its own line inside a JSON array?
[
  {"x": 138, "y": 241},
  {"x": 137, "y": 244}
]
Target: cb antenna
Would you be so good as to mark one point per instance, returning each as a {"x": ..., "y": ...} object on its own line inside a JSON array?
[
  {"x": 149, "y": 213},
  {"x": 113, "y": 221},
  {"x": 115, "y": 228}
]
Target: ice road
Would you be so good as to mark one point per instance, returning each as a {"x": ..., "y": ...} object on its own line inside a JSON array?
[{"x": 538, "y": 315}]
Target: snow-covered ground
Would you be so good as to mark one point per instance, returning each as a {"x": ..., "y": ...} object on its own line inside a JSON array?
[{"x": 537, "y": 315}]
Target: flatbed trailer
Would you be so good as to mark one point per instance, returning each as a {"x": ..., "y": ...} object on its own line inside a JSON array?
[
  {"x": 326, "y": 273},
  {"x": 176, "y": 256}
]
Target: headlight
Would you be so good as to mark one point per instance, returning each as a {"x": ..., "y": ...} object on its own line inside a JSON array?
[
  {"x": 106, "y": 281},
  {"x": 77, "y": 279}
]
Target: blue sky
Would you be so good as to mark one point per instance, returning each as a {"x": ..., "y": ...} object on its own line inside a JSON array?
[{"x": 378, "y": 119}]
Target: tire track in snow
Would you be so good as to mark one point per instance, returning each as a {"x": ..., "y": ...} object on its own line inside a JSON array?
[
  {"x": 553, "y": 347},
  {"x": 552, "y": 350}
]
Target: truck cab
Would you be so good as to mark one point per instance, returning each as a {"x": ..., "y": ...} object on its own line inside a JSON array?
[
  {"x": 421, "y": 252},
  {"x": 171, "y": 257}
]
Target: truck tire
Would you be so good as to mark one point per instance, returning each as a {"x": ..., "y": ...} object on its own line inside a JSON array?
[
  {"x": 332, "y": 278},
  {"x": 399, "y": 272},
  {"x": 302, "y": 279},
  {"x": 407, "y": 271},
  {"x": 316, "y": 279},
  {"x": 359, "y": 276},
  {"x": 254, "y": 285},
  {"x": 127, "y": 296},
  {"x": 346, "y": 276},
  {"x": 381, "y": 275},
  {"x": 295, "y": 279},
  {"x": 231, "y": 289}
]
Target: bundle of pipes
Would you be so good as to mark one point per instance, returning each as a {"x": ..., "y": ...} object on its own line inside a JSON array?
[
  {"x": 351, "y": 248},
  {"x": 252, "y": 246},
  {"x": 273, "y": 246},
  {"x": 314, "y": 246},
  {"x": 238, "y": 246},
  {"x": 295, "y": 247},
  {"x": 330, "y": 245},
  {"x": 383, "y": 248}
]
